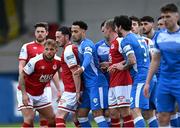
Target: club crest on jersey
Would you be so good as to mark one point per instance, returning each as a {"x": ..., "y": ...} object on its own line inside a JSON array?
[
  {"x": 54, "y": 67},
  {"x": 112, "y": 46},
  {"x": 42, "y": 67},
  {"x": 34, "y": 47}
]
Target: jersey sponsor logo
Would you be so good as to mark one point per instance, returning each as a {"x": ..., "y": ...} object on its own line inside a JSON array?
[
  {"x": 46, "y": 77},
  {"x": 54, "y": 67},
  {"x": 29, "y": 64},
  {"x": 70, "y": 57},
  {"x": 22, "y": 50},
  {"x": 88, "y": 49}
]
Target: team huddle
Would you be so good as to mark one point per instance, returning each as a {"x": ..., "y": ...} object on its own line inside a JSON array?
[{"x": 129, "y": 79}]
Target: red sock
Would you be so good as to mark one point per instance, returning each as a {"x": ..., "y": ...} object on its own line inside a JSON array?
[
  {"x": 26, "y": 125},
  {"x": 115, "y": 122},
  {"x": 43, "y": 123},
  {"x": 77, "y": 124},
  {"x": 128, "y": 121},
  {"x": 60, "y": 123}
]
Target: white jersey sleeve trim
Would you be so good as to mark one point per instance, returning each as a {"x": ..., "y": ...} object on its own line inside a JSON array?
[
  {"x": 119, "y": 42},
  {"x": 69, "y": 56},
  {"x": 23, "y": 52},
  {"x": 29, "y": 67}
]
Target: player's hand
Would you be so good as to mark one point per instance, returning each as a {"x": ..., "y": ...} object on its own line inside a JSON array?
[
  {"x": 78, "y": 97},
  {"x": 78, "y": 71},
  {"x": 25, "y": 99},
  {"x": 104, "y": 66},
  {"x": 146, "y": 90},
  {"x": 58, "y": 96}
]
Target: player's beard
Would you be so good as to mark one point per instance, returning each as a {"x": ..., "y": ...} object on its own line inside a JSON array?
[
  {"x": 40, "y": 40},
  {"x": 48, "y": 57}
]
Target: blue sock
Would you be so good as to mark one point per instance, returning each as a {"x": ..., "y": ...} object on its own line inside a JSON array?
[
  {"x": 178, "y": 119},
  {"x": 139, "y": 122},
  {"x": 153, "y": 123},
  {"x": 84, "y": 122},
  {"x": 174, "y": 120},
  {"x": 101, "y": 122}
]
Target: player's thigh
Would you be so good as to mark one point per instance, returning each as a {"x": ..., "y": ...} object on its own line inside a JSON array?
[
  {"x": 28, "y": 114},
  {"x": 138, "y": 100},
  {"x": 122, "y": 94},
  {"x": 85, "y": 100},
  {"x": 94, "y": 98},
  {"x": 103, "y": 94},
  {"x": 165, "y": 101},
  {"x": 67, "y": 103}
]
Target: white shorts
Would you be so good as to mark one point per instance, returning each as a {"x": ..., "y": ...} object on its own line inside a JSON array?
[
  {"x": 48, "y": 92},
  {"x": 36, "y": 102},
  {"x": 119, "y": 96},
  {"x": 68, "y": 102}
]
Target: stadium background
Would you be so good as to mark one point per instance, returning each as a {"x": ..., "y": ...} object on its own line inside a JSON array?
[{"x": 17, "y": 18}]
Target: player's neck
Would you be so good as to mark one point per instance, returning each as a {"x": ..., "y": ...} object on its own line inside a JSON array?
[
  {"x": 174, "y": 29},
  {"x": 113, "y": 37}
]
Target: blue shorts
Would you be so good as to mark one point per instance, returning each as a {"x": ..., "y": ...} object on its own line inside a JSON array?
[
  {"x": 90, "y": 98},
  {"x": 138, "y": 100},
  {"x": 103, "y": 94},
  {"x": 168, "y": 94}
]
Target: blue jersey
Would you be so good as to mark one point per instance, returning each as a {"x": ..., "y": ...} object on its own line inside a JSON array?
[
  {"x": 137, "y": 45},
  {"x": 168, "y": 44},
  {"x": 89, "y": 60},
  {"x": 102, "y": 49}
]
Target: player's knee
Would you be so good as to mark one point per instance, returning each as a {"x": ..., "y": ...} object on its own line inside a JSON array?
[
  {"x": 97, "y": 113},
  {"x": 164, "y": 119},
  {"x": 125, "y": 111},
  {"x": 29, "y": 119},
  {"x": 114, "y": 113},
  {"x": 82, "y": 112}
]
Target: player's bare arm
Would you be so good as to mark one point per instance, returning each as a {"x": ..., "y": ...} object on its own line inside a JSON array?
[
  {"x": 152, "y": 69},
  {"x": 77, "y": 81},
  {"x": 56, "y": 83},
  {"x": 25, "y": 97}
]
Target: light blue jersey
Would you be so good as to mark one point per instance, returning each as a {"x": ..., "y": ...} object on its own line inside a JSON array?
[
  {"x": 102, "y": 49},
  {"x": 89, "y": 60},
  {"x": 137, "y": 45},
  {"x": 168, "y": 45},
  {"x": 132, "y": 43},
  {"x": 92, "y": 76}
]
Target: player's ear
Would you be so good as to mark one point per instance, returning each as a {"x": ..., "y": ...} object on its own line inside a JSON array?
[{"x": 47, "y": 33}]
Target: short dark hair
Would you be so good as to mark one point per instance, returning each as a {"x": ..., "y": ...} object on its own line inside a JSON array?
[
  {"x": 102, "y": 24},
  {"x": 123, "y": 21},
  {"x": 65, "y": 31},
  {"x": 42, "y": 24},
  {"x": 51, "y": 42},
  {"x": 169, "y": 8},
  {"x": 147, "y": 19},
  {"x": 81, "y": 24},
  {"x": 159, "y": 18},
  {"x": 134, "y": 18}
]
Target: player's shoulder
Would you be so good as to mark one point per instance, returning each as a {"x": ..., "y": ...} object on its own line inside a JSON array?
[
  {"x": 119, "y": 39},
  {"x": 29, "y": 43},
  {"x": 57, "y": 58},
  {"x": 99, "y": 43},
  {"x": 36, "y": 58}
]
